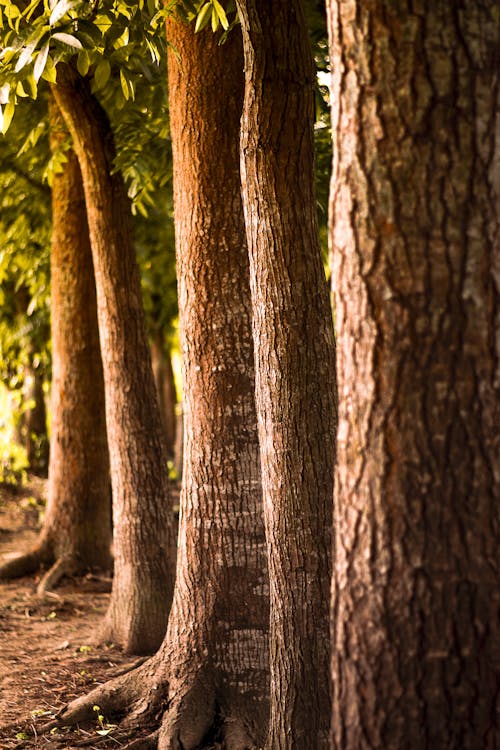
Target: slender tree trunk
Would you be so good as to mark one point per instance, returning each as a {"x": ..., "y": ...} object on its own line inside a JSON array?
[
  {"x": 415, "y": 254},
  {"x": 78, "y": 518},
  {"x": 35, "y": 420},
  {"x": 76, "y": 534},
  {"x": 165, "y": 388},
  {"x": 212, "y": 670},
  {"x": 142, "y": 514},
  {"x": 294, "y": 350}
]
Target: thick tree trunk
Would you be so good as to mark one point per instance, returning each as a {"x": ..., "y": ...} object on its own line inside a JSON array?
[
  {"x": 294, "y": 350},
  {"x": 212, "y": 671},
  {"x": 216, "y": 645},
  {"x": 415, "y": 253},
  {"x": 142, "y": 514},
  {"x": 76, "y": 534},
  {"x": 165, "y": 388}
]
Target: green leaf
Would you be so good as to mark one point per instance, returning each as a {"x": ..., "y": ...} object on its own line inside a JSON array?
[
  {"x": 83, "y": 62},
  {"x": 7, "y": 115},
  {"x": 222, "y": 14},
  {"x": 203, "y": 17},
  {"x": 40, "y": 61},
  {"x": 20, "y": 90},
  {"x": 12, "y": 11},
  {"x": 4, "y": 93},
  {"x": 60, "y": 10},
  {"x": 25, "y": 56},
  {"x": 124, "y": 84},
  {"x": 102, "y": 74},
  {"x": 32, "y": 85},
  {"x": 91, "y": 31},
  {"x": 49, "y": 73},
  {"x": 68, "y": 39}
]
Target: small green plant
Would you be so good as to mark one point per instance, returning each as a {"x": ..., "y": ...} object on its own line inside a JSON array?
[{"x": 104, "y": 728}]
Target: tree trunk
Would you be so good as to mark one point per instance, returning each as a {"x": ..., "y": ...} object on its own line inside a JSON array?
[
  {"x": 294, "y": 350},
  {"x": 415, "y": 255},
  {"x": 142, "y": 514},
  {"x": 76, "y": 534},
  {"x": 165, "y": 389},
  {"x": 216, "y": 645},
  {"x": 78, "y": 517},
  {"x": 212, "y": 671},
  {"x": 35, "y": 420}
]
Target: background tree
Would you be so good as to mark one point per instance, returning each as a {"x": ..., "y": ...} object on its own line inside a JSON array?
[
  {"x": 76, "y": 534},
  {"x": 415, "y": 233},
  {"x": 294, "y": 355},
  {"x": 143, "y": 521},
  {"x": 24, "y": 292}
]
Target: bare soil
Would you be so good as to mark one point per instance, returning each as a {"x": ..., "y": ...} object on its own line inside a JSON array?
[{"x": 47, "y": 653}]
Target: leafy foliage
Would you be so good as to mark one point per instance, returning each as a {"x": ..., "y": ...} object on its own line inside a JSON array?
[
  {"x": 103, "y": 37},
  {"x": 25, "y": 245},
  {"x": 202, "y": 13}
]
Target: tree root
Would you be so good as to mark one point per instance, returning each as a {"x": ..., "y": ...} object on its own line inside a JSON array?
[
  {"x": 136, "y": 693},
  {"x": 194, "y": 719},
  {"x": 64, "y": 566},
  {"x": 145, "y": 743},
  {"x": 190, "y": 715},
  {"x": 24, "y": 564}
]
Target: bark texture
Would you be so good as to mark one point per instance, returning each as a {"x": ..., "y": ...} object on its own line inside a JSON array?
[
  {"x": 78, "y": 518},
  {"x": 76, "y": 533},
  {"x": 142, "y": 514},
  {"x": 416, "y": 272},
  {"x": 294, "y": 351},
  {"x": 165, "y": 388},
  {"x": 217, "y": 641}
]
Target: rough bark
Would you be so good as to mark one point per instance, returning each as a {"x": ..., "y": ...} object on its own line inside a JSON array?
[
  {"x": 165, "y": 388},
  {"x": 217, "y": 638},
  {"x": 415, "y": 255},
  {"x": 142, "y": 514},
  {"x": 212, "y": 669},
  {"x": 76, "y": 533},
  {"x": 294, "y": 350}
]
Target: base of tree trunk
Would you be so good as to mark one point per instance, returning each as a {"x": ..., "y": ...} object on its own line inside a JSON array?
[
  {"x": 193, "y": 719},
  {"x": 25, "y": 564},
  {"x": 39, "y": 557},
  {"x": 63, "y": 566}
]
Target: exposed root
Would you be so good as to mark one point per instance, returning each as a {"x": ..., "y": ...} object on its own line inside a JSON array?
[
  {"x": 145, "y": 743},
  {"x": 187, "y": 721},
  {"x": 191, "y": 718},
  {"x": 24, "y": 564},
  {"x": 196, "y": 722},
  {"x": 64, "y": 566},
  {"x": 134, "y": 694},
  {"x": 236, "y": 735},
  {"x": 129, "y": 668}
]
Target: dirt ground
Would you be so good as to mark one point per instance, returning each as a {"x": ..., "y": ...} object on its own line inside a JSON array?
[{"x": 47, "y": 655}]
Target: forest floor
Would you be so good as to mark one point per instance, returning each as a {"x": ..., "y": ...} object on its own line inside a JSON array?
[{"x": 47, "y": 654}]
